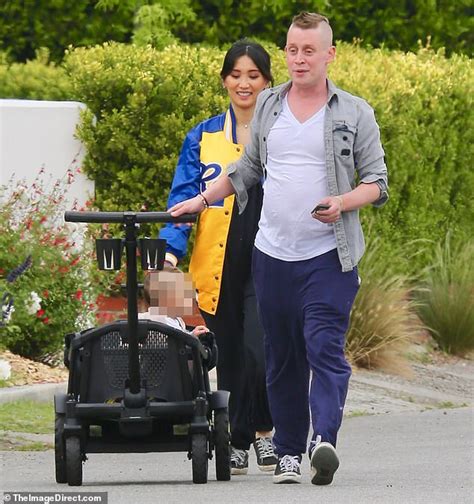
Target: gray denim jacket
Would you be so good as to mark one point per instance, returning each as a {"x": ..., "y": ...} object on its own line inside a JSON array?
[{"x": 354, "y": 154}]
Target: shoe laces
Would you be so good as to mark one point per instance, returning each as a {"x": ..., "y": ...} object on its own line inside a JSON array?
[
  {"x": 289, "y": 463},
  {"x": 314, "y": 444},
  {"x": 265, "y": 447},
  {"x": 237, "y": 455}
]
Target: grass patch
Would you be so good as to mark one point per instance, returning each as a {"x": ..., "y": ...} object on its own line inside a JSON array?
[
  {"x": 383, "y": 317},
  {"x": 450, "y": 405},
  {"x": 27, "y": 416},
  {"x": 446, "y": 297},
  {"x": 4, "y": 383},
  {"x": 357, "y": 413},
  {"x": 19, "y": 443}
]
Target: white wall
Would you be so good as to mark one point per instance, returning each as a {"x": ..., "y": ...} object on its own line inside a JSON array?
[{"x": 36, "y": 134}]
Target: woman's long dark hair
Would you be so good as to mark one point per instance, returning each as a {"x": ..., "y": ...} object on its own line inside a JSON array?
[{"x": 254, "y": 51}]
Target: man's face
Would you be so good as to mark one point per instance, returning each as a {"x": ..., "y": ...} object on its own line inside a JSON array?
[{"x": 308, "y": 52}]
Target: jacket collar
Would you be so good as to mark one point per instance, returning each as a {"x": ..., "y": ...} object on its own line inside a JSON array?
[
  {"x": 283, "y": 89},
  {"x": 230, "y": 124}
]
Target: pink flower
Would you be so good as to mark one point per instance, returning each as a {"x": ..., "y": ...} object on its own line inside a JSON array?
[{"x": 78, "y": 294}]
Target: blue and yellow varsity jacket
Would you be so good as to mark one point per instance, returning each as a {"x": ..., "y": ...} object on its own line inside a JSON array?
[{"x": 207, "y": 151}]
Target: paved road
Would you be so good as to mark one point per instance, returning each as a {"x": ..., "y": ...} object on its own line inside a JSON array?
[{"x": 406, "y": 458}]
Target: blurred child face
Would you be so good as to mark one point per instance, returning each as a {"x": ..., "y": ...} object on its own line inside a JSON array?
[{"x": 172, "y": 293}]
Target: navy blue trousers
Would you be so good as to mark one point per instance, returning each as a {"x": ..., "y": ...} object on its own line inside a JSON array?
[{"x": 305, "y": 308}]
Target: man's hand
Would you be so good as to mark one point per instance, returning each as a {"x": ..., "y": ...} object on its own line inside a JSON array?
[{"x": 333, "y": 213}]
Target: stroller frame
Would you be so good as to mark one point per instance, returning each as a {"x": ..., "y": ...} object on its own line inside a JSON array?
[{"x": 139, "y": 385}]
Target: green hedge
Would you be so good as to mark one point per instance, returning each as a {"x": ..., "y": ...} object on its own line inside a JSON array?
[
  {"x": 423, "y": 104},
  {"x": 38, "y": 79},
  {"x": 144, "y": 101}
]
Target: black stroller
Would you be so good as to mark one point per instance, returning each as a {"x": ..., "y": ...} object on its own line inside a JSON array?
[{"x": 138, "y": 385}]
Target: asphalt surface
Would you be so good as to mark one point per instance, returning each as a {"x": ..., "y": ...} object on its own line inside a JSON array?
[
  {"x": 405, "y": 458},
  {"x": 404, "y": 440}
]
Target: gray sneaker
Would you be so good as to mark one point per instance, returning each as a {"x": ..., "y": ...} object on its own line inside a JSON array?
[
  {"x": 324, "y": 462},
  {"x": 266, "y": 458},
  {"x": 239, "y": 461}
]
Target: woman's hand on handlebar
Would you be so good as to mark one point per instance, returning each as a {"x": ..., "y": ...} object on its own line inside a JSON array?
[{"x": 190, "y": 206}]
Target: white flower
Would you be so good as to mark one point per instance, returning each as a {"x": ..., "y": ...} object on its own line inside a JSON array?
[
  {"x": 35, "y": 303},
  {"x": 5, "y": 370}
]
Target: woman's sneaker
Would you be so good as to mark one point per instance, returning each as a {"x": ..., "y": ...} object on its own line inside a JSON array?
[
  {"x": 266, "y": 458},
  {"x": 239, "y": 461},
  {"x": 288, "y": 470},
  {"x": 324, "y": 462}
]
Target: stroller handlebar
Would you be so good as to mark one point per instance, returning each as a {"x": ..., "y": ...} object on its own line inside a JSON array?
[{"x": 122, "y": 217}]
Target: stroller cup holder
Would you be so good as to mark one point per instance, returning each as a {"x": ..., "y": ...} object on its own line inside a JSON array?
[
  {"x": 109, "y": 253},
  {"x": 152, "y": 253}
]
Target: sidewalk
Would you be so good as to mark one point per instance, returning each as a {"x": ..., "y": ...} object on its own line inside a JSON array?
[{"x": 43, "y": 392}]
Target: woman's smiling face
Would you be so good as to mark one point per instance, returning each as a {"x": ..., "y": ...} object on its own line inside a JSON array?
[{"x": 244, "y": 83}]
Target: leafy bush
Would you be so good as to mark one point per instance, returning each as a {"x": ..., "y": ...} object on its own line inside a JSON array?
[
  {"x": 38, "y": 79},
  {"x": 446, "y": 296},
  {"x": 424, "y": 107},
  {"x": 43, "y": 282},
  {"x": 141, "y": 102}
]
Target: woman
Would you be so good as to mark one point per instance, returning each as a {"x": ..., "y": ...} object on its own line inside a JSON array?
[{"x": 221, "y": 258}]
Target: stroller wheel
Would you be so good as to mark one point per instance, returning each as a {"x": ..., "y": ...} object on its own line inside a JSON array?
[
  {"x": 73, "y": 461},
  {"x": 59, "y": 449},
  {"x": 222, "y": 444},
  {"x": 199, "y": 458}
]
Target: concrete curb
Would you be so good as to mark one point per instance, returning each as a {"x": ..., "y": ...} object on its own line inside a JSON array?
[{"x": 43, "y": 392}]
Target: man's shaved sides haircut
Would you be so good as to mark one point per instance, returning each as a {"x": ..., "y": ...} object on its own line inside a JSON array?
[{"x": 308, "y": 20}]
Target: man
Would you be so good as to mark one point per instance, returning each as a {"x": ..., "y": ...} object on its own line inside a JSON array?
[{"x": 310, "y": 140}]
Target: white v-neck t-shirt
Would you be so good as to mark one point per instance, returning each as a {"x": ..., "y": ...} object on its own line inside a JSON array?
[{"x": 296, "y": 180}]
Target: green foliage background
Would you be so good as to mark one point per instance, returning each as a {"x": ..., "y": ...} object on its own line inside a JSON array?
[
  {"x": 31, "y": 24},
  {"x": 141, "y": 102},
  {"x": 391, "y": 23},
  {"x": 28, "y": 25}
]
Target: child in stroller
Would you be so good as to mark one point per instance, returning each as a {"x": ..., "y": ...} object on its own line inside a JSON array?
[{"x": 169, "y": 297}]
